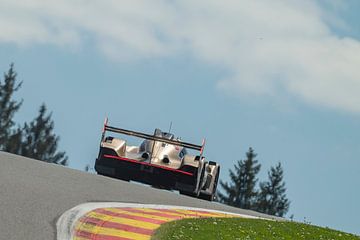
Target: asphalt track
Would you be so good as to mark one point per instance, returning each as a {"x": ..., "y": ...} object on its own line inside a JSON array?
[{"x": 34, "y": 194}]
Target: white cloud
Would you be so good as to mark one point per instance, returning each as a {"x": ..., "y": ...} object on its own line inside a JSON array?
[{"x": 269, "y": 47}]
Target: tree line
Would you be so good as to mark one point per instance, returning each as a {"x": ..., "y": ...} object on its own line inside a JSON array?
[
  {"x": 242, "y": 191},
  {"x": 34, "y": 139}
]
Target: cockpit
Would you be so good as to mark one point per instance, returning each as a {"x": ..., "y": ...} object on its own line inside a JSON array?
[{"x": 162, "y": 134}]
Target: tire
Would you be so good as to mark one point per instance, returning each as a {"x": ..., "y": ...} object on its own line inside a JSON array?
[
  {"x": 211, "y": 197},
  {"x": 190, "y": 194},
  {"x": 207, "y": 197},
  {"x": 197, "y": 191}
]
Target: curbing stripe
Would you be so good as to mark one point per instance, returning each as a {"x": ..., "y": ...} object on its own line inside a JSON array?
[
  {"x": 138, "y": 213},
  {"x": 123, "y": 220},
  {"x": 71, "y": 225},
  {"x": 116, "y": 225},
  {"x": 112, "y": 232},
  {"x": 159, "y": 214},
  {"x": 200, "y": 213},
  {"x": 177, "y": 213},
  {"x": 86, "y": 236},
  {"x": 137, "y": 217}
]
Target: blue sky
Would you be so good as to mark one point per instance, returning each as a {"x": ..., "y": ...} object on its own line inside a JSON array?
[{"x": 281, "y": 77}]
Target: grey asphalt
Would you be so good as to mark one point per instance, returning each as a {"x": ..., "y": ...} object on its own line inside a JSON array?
[{"x": 34, "y": 194}]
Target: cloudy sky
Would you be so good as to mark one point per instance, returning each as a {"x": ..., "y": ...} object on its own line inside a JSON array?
[{"x": 280, "y": 76}]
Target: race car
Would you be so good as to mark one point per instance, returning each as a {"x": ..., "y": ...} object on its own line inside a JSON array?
[{"x": 161, "y": 160}]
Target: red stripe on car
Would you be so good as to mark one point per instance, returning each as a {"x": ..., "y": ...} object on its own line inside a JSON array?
[{"x": 147, "y": 164}]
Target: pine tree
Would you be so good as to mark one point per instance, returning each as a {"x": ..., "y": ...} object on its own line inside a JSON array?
[
  {"x": 14, "y": 142},
  {"x": 272, "y": 198},
  {"x": 240, "y": 192},
  {"x": 34, "y": 140},
  {"x": 8, "y": 108},
  {"x": 39, "y": 140}
]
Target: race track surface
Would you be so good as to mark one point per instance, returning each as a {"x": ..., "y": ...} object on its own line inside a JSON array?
[{"x": 34, "y": 194}]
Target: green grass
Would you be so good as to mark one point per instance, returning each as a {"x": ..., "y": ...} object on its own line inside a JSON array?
[{"x": 247, "y": 229}]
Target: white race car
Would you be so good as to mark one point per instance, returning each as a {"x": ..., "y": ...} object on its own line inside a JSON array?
[{"x": 161, "y": 160}]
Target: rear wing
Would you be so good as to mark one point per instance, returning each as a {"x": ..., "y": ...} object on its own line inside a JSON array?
[{"x": 151, "y": 137}]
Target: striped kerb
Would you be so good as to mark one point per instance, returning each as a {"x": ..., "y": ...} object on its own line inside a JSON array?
[{"x": 130, "y": 223}]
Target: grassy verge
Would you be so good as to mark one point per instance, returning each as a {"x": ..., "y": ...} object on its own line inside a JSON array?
[{"x": 249, "y": 229}]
